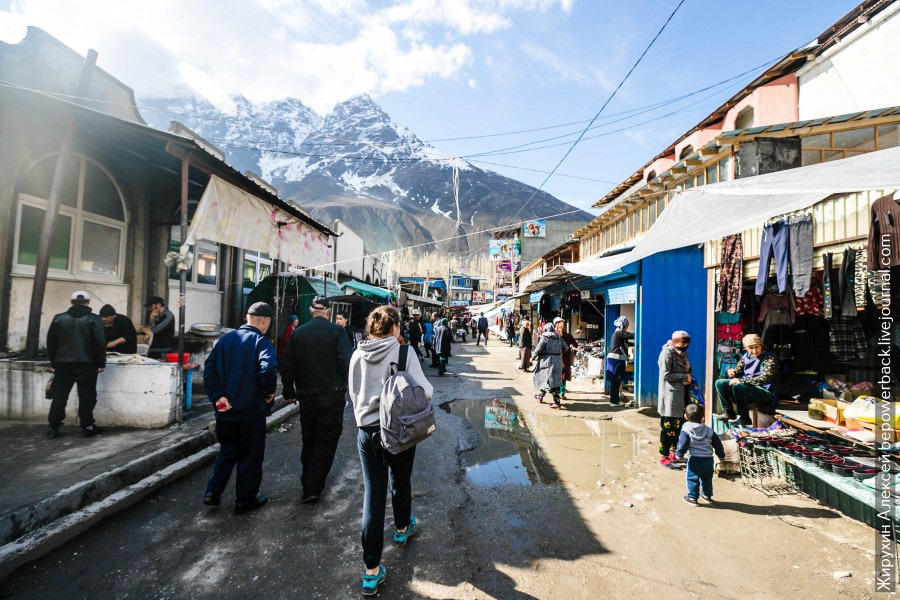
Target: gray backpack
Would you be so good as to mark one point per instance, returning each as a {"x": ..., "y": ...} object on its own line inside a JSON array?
[{"x": 406, "y": 414}]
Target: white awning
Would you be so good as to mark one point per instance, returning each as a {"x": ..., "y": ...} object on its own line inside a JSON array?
[
  {"x": 228, "y": 215},
  {"x": 710, "y": 212}
]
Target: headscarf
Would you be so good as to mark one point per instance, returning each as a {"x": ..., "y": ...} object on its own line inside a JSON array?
[
  {"x": 445, "y": 322},
  {"x": 293, "y": 318},
  {"x": 549, "y": 328},
  {"x": 681, "y": 335},
  {"x": 621, "y": 323},
  {"x": 751, "y": 339}
]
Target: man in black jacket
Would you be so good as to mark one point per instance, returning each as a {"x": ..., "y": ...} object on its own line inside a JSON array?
[
  {"x": 77, "y": 348},
  {"x": 119, "y": 330},
  {"x": 240, "y": 379},
  {"x": 162, "y": 325},
  {"x": 314, "y": 372}
]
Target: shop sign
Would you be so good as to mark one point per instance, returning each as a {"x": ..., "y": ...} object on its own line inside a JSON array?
[{"x": 585, "y": 294}]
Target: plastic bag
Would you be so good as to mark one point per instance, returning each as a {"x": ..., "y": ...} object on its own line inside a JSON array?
[
  {"x": 863, "y": 409},
  {"x": 696, "y": 394}
]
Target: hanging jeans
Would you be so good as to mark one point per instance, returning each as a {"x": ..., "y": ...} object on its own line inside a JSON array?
[
  {"x": 731, "y": 271},
  {"x": 774, "y": 243},
  {"x": 801, "y": 247}
]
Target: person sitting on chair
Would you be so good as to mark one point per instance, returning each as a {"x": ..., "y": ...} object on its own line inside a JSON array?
[{"x": 749, "y": 382}]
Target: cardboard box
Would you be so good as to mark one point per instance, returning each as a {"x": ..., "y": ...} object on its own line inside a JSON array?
[
  {"x": 834, "y": 410},
  {"x": 891, "y": 434}
]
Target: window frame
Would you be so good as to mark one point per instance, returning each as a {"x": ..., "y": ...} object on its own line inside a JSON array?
[{"x": 206, "y": 245}]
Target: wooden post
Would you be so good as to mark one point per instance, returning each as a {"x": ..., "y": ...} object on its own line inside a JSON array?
[
  {"x": 42, "y": 264},
  {"x": 182, "y": 288}
]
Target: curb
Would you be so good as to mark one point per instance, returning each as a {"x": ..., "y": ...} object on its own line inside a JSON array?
[{"x": 57, "y": 532}]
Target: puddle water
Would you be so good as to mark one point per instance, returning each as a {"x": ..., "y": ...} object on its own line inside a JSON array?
[{"x": 521, "y": 447}]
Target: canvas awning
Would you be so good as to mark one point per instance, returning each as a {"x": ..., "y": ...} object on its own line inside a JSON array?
[
  {"x": 710, "y": 212},
  {"x": 551, "y": 277},
  {"x": 370, "y": 291},
  {"x": 229, "y": 215}
]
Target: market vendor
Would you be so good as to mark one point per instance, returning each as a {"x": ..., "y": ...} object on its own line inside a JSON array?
[
  {"x": 120, "y": 334},
  {"x": 750, "y": 382}
]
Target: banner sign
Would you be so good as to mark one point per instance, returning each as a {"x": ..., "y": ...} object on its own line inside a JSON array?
[
  {"x": 534, "y": 229},
  {"x": 505, "y": 249}
]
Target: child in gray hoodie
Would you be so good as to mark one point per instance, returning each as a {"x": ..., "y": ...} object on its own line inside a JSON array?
[{"x": 701, "y": 441}]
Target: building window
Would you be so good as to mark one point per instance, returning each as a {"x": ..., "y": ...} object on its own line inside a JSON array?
[
  {"x": 204, "y": 271},
  {"x": 711, "y": 174},
  {"x": 744, "y": 119},
  {"x": 685, "y": 152},
  {"x": 256, "y": 267},
  {"x": 89, "y": 232},
  {"x": 651, "y": 175},
  {"x": 725, "y": 169}
]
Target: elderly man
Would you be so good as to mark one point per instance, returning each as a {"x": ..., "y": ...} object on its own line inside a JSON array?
[
  {"x": 315, "y": 370},
  {"x": 750, "y": 382},
  {"x": 77, "y": 349},
  {"x": 240, "y": 380},
  {"x": 119, "y": 330}
]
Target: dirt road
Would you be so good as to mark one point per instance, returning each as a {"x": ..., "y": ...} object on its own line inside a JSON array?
[{"x": 615, "y": 527}]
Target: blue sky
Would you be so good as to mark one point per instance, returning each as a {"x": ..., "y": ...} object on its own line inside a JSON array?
[{"x": 453, "y": 68}]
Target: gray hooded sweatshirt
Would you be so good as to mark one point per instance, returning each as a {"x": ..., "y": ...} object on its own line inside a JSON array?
[
  {"x": 700, "y": 440},
  {"x": 370, "y": 367}
]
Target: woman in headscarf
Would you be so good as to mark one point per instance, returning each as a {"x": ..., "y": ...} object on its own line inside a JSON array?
[
  {"x": 548, "y": 372},
  {"x": 750, "y": 382},
  {"x": 616, "y": 357},
  {"x": 292, "y": 324},
  {"x": 525, "y": 344},
  {"x": 674, "y": 385}
]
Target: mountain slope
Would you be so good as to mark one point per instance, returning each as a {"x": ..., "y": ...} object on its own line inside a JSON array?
[{"x": 356, "y": 165}]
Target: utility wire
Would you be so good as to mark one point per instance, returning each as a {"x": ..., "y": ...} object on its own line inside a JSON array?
[{"x": 596, "y": 116}]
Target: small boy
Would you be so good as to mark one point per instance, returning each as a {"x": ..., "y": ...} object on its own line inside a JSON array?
[{"x": 701, "y": 441}]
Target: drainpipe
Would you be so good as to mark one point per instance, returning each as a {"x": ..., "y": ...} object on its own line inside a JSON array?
[{"x": 42, "y": 263}]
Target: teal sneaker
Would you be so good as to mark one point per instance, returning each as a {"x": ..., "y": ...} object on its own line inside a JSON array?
[
  {"x": 370, "y": 583},
  {"x": 400, "y": 538}
]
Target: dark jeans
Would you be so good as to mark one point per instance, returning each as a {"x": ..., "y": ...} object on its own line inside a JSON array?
[
  {"x": 774, "y": 242},
  {"x": 241, "y": 443},
  {"x": 615, "y": 374},
  {"x": 699, "y": 476},
  {"x": 321, "y": 422},
  {"x": 481, "y": 333},
  {"x": 378, "y": 466},
  {"x": 415, "y": 346},
  {"x": 84, "y": 375},
  {"x": 801, "y": 245},
  {"x": 742, "y": 395}
]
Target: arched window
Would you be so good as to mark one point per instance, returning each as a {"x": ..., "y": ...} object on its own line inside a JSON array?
[
  {"x": 89, "y": 232},
  {"x": 651, "y": 175},
  {"x": 744, "y": 119},
  {"x": 685, "y": 152}
]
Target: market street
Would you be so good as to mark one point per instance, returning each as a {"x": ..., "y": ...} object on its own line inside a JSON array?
[{"x": 626, "y": 534}]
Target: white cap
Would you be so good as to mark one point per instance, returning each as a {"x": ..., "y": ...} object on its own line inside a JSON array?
[
  {"x": 558, "y": 320},
  {"x": 81, "y": 294}
]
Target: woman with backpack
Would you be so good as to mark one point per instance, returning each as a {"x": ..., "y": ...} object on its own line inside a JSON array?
[{"x": 370, "y": 367}]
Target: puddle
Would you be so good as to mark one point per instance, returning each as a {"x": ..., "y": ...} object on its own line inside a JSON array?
[{"x": 525, "y": 448}]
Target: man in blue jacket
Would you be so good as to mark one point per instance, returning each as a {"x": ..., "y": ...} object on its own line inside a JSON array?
[{"x": 240, "y": 379}]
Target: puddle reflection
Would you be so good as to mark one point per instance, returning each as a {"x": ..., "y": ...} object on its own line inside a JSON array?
[{"x": 524, "y": 448}]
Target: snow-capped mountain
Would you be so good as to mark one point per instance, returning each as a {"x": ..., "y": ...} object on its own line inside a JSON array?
[{"x": 357, "y": 165}]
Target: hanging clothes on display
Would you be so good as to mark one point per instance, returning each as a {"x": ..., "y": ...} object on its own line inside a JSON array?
[
  {"x": 885, "y": 217},
  {"x": 828, "y": 291},
  {"x": 731, "y": 271},
  {"x": 774, "y": 302},
  {"x": 860, "y": 279},
  {"x": 544, "y": 309},
  {"x": 571, "y": 302},
  {"x": 801, "y": 252},
  {"x": 810, "y": 344},
  {"x": 812, "y": 303},
  {"x": 846, "y": 283},
  {"x": 774, "y": 245},
  {"x": 848, "y": 341},
  {"x": 777, "y": 315}
]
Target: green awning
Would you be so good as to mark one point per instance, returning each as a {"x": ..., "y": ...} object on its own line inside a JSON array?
[{"x": 369, "y": 291}]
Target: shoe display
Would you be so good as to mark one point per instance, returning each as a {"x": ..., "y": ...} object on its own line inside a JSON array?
[
  {"x": 211, "y": 499},
  {"x": 370, "y": 583},
  {"x": 691, "y": 501},
  {"x": 90, "y": 431},
  {"x": 52, "y": 433},
  {"x": 242, "y": 506},
  {"x": 400, "y": 539},
  {"x": 309, "y": 497}
]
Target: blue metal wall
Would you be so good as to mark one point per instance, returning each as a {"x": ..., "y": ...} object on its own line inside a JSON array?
[{"x": 673, "y": 297}]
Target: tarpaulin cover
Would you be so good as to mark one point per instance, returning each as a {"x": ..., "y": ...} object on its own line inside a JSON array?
[
  {"x": 228, "y": 215},
  {"x": 710, "y": 212}
]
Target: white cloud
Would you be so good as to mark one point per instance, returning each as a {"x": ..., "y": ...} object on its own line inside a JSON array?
[
  {"x": 472, "y": 83},
  {"x": 321, "y": 51},
  {"x": 566, "y": 70}
]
